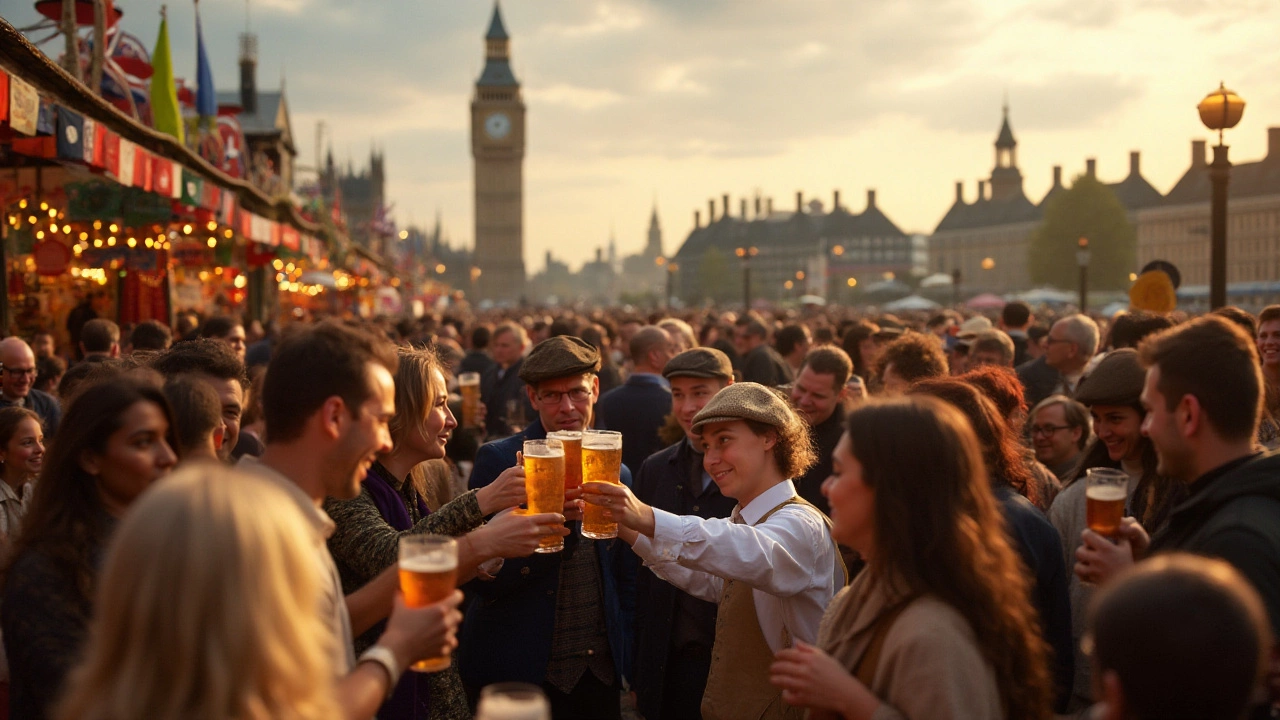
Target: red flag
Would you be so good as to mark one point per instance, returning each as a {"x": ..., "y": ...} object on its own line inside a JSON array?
[
  {"x": 161, "y": 176},
  {"x": 289, "y": 237},
  {"x": 142, "y": 169},
  {"x": 111, "y": 153},
  {"x": 4, "y": 95}
]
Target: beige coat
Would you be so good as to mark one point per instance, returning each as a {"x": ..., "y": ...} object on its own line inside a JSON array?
[{"x": 930, "y": 666}]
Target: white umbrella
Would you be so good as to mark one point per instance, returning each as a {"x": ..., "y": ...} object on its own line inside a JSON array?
[
  {"x": 937, "y": 280},
  {"x": 812, "y": 300},
  {"x": 912, "y": 302}
]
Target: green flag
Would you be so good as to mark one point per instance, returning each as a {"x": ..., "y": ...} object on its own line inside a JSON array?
[{"x": 165, "y": 113}]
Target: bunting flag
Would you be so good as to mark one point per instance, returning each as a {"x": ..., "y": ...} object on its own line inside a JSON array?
[
  {"x": 70, "y": 135},
  {"x": 24, "y": 106},
  {"x": 125, "y": 164},
  {"x": 162, "y": 176},
  {"x": 4, "y": 95},
  {"x": 166, "y": 114},
  {"x": 46, "y": 119},
  {"x": 191, "y": 188},
  {"x": 141, "y": 169},
  {"x": 206, "y": 95},
  {"x": 111, "y": 153}
]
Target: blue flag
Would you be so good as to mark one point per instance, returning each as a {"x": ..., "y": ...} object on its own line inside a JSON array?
[{"x": 206, "y": 95}]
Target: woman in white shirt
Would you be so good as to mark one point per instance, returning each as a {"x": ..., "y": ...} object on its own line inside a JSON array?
[{"x": 772, "y": 567}]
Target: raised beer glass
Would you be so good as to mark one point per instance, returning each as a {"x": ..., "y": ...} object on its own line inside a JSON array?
[
  {"x": 469, "y": 388},
  {"x": 1105, "y": 494},
  {"x": 428, "y": 574},
  {"x": 513, "y": 701},
  {"x": 544, "y": 484},
  {"x": 601, "y": 462},
  {"x": 572, "y": 441}
]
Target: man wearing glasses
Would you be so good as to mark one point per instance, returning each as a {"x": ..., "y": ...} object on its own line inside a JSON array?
[
  {"x": 17, "y": 376},
  {"x": 1071, "y": 344},
  {"x": 1059, "y": 432},
  {"x": 556, "y": 620}
]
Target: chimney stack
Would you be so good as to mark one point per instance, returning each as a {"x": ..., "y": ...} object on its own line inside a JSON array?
[
  {"x": 1135, "y": 163},
  {"x": 1057, "y": 176},
  {"x": 757, "y": 206},
  {"x": 742, "y": 208},
  {"x": 799, "y": 201},
  {"x": 1091, "y": 167},
  {"x": 1273, "y": 143},
  {"x": 768, "y": 207},
  {"x": 1197, "y": 153},
  {"x": 871, "y": 199},
  {"x": 697, "y": 219},
  {"x": 835, "y": 201},
  {"x": 711, "y": 211},
  {"x": 599, "y": 254},
  {"x": 725, "y": 199},
  {"x": 982, "y": 190},
  {"x": 959, "y": 192}
]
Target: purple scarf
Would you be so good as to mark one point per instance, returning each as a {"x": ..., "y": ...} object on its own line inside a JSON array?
[{"x": 388, "y": 500}]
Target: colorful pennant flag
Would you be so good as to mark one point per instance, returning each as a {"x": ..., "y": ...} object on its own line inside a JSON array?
[
  {"x": 70, "y": 135},
  {"x": 24, "y": 106},
  {"x": 166, "y": 114},
  {"x": 206, "y": 95},
  {"x": 126, "y": 163}
]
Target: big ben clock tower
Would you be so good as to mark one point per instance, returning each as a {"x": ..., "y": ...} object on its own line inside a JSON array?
[{"x": 497, "y": 144}]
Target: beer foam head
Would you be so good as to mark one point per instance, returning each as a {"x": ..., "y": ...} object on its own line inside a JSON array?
[
  {"x": 601, "y": 440},
  {"x": 430, "y": 563},
  {"x": 563, "y": 435},
  {"x": 543, "y": 451},
  {"x": 502, "y": 707},
  {"x": 1106, "y": 493}
]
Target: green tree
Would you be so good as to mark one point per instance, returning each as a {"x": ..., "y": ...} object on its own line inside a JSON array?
[{"x": 1089, "y": 209}]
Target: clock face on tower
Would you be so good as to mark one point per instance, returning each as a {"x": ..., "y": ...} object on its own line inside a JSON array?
[{"x": 497, "y": 126}]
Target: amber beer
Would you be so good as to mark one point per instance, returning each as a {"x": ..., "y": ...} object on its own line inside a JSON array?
[
  {"x": 469, "y": 388},
  {"x": 572, "y": 441},
  {"x": 544, "y": 484},
  {"x": 601, "y": 462},
  {"x": 1105, "y": 496},
  {"x": 428, "y": 574}
]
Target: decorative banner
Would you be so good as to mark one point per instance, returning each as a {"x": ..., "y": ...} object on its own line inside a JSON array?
[
  {"x": 210, "y": 196},
  {"x": 289, "y": 237},
  {"x": 94, "y": 143},
  {"x": 43, "y": 147},
  {"x": 191, "y": 188},
  {"x": 70, "y": 135},
  {"x": 45, "y": 120},
  {"x": 145, "y": 208},
  {"x": 4, "y": 95},
  {"x": 111, "y": 153},
  {"x": 162, "y": 176},
  {"x": 52, "y": 257},
  {"x": 227, "y": 209},
  {"x": 142, "y": 169},
  {"x": 24, "y": 106},
  {"x": 94, "y": 200},
  {"x": 127, "y": 162}
]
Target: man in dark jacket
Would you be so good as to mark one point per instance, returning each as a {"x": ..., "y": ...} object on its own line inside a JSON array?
[
  {"x": 1203, "y": 396},
  {"x": 818, "y": 396},
  {"x": 760, "y": 363},
  {"x": 639, "y": 408},
  {"x": 1070, "y": 345},
  {"x": 674, "y": 630},
  {"x": 477, "y": 359},
  {"x": 507, "y": 408},
  {"x": 560, "y": 620}
]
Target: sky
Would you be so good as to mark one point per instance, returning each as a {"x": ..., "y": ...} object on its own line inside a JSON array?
[{"x": 637, "y": 102}]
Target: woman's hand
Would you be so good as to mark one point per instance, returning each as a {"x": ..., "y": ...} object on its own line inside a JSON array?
[
  {"x": 1098, "y": 559},
  {"x": 513, "y": 533},
  {"x": 810, "y": 678},
  {"x": 622, "y": 507},
  {"x": 505, "y": 492}
]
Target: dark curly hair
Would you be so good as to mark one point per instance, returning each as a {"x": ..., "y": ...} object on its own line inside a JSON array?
[{"x": 914, "y": 356}]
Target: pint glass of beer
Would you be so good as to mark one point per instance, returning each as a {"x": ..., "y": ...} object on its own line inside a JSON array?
[
  {"x": 469, "y": 388},
  {"x": 601, "y": 462},
  {"x": 572, "y": 441},
  {"x": 513, "y": 701},
  {"x": 428, "y": 574},
  {"x": 1105, "y": 496},
  {"x": 544, "y": 484}
]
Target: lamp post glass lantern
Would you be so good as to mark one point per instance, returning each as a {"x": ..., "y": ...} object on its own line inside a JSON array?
[
  {"x": 1220, "y": 110},
  {"x": 1082, "y": 259},
  {"x": 745, "y": 254}
]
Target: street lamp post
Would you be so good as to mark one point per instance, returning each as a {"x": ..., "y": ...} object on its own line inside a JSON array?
[
  {"x": 672, "y": 269},
  {"x": 955, "y": 287},
  {"x": 745, "y": 254},
  {"x": 1082, "y": 259},
  {"x": 1220, "y": 110}
]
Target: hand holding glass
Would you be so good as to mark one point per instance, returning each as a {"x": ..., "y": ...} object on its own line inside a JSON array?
[{"x": 428, "y": 574}]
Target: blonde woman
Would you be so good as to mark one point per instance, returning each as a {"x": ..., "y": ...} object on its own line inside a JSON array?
[{"x": 207, "y": 609}]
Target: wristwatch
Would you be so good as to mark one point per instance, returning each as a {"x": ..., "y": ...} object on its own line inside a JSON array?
[{"x": 383, "y": 656}]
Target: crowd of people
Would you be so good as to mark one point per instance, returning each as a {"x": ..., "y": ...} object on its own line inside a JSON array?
[{"x": 821, "y": 513}]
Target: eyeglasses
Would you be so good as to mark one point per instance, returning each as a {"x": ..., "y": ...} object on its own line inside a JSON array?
[
  {"x": 1048, "y": 429},
  {"x": 19, "y": 371},
  {"x": 552, "y": 398}
]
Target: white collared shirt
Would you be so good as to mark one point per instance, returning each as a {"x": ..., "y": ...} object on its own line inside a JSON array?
[{"x": 788, "y": 560}]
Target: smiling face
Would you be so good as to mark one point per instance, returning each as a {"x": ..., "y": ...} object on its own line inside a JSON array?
[
  {"x": 364, "y": 436},
  {"x": 737, "y": 459},
  {"x": 853, "y": 503},
  {"x": 1163, "y": 427},
  {"x": 1054, "y": 441},
  {"x": 231, "y": 397},
  {"x": 1119, "y": 427},
  {"x": 24, "y": 456},
  {"x": 135, "y": 456},
  {"x": 429, "y": 439},
  {"x": 815, "y": 396},
  {"x": 688, "y": 396},
  {"x": 1269, "y": 345},
  {"x": 19, "y": 372}
]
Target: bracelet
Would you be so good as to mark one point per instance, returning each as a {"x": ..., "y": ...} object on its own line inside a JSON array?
[{"x": 383, "y": 656}]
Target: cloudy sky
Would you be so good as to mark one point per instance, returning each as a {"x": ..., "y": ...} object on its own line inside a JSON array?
[{"x": 683, "y": 100}]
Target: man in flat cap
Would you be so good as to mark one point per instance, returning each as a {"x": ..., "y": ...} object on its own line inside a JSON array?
[
  {"x": 555, "y": 620},
  {"x": 675, "y": 630}
]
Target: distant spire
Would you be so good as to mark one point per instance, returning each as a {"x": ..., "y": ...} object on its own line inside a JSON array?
[
  {"x": 496, "y": 29},
  {"x": 1005, "y": 139}
]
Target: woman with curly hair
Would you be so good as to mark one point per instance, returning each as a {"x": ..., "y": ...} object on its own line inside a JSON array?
[
  {"x": 939, "y": 624},
  {"x": 772, "y": 566}
]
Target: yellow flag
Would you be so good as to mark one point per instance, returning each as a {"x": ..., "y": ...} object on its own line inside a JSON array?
[{"x": 166, "y": 116}]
